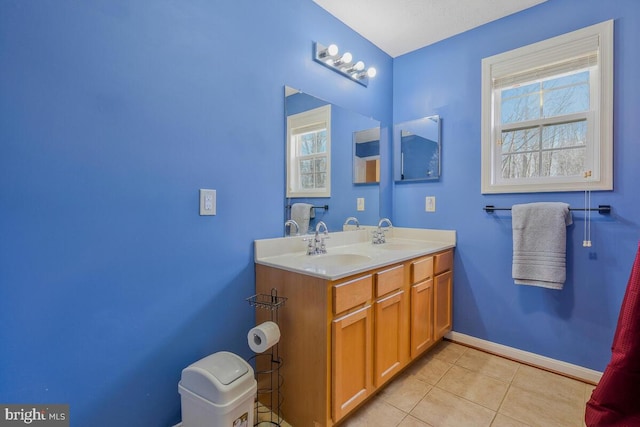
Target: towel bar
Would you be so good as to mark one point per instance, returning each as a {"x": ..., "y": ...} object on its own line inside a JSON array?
[
  {"x": 603, "y": 209},
  {"x": 325, "y": 207}
]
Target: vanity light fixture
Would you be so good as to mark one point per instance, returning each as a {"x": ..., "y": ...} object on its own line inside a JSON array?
[{"x": 330, "y": 57}]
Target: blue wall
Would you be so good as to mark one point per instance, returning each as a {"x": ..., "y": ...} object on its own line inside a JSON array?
[
  {"x": 112, "y": 115},
  {"x": 575, "y": 325}
]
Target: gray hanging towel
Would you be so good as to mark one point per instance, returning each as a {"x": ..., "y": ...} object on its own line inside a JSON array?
[
  {"x": 301, "y": 213},
  {"x": 539, "y": 243}
]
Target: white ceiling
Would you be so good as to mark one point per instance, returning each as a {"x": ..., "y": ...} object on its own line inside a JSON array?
[{"x": 401, "y": 26}]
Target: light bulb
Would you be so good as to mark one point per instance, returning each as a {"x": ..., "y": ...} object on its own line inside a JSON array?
[
  {"x": 328, "y": 52},
  {"x": 343, "y": 60},
  {"x": 371, "y": 72},
  {"x": 359, "y": 66}
]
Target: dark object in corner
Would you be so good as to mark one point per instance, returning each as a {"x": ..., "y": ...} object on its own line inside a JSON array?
[{"x": 616, "y": 399}]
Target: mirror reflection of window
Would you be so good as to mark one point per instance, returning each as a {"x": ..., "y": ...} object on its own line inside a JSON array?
[
  {"x": 366, "y": 159},
  {"x": 309, "y": 153},
  {"x": 311, "y": 158}
]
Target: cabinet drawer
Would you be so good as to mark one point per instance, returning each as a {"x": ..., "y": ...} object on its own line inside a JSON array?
[
  {"x": 421, "y": 269},
  {"x": 443, "y": 262},
  {"x": 389, "y": 280},
  {"x": 352, "y": 293}
]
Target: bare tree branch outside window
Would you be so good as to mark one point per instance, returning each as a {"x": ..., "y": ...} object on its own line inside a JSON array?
[
  {"x": 542, "y": 134},
  {"x": 312, "y": 159}
]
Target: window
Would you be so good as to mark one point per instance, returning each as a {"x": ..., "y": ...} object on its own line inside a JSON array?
[
  {"x": 547, "y": 115},
  {"x": 309, "y": 153}
]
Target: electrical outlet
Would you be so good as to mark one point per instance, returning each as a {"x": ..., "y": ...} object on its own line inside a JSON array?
[
  {"x": 360, "y": 204},
  {"x": 207, "y": 202},
  {"x": 430, "y": 204}
]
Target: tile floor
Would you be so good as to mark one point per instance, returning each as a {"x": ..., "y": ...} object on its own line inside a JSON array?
[{"x": 458, "y": 386}]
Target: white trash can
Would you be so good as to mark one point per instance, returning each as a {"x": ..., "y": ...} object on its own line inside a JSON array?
[{"x": 218, "y": 391}]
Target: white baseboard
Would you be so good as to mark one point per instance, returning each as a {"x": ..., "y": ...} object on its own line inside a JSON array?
[{"x": 558, "y": 366}]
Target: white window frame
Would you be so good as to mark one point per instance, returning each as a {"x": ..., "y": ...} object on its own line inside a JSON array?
[
  {"x": 317, "y": 117},
  {"x": 538, "y": 56}
]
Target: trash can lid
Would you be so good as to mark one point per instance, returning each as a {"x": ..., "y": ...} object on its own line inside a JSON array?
[
  {"x": 218, "y": 377},
  {"x": 226, "y": 367}
]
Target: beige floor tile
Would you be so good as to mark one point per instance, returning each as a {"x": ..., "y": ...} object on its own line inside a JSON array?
[
  {"x": 429, "y": 369},
  {"x": 541, "y": 410},
  {"x": 473, "y": 386},
  {"x": 457, "y": 386},
  {"x": 405, "y": 392},
  {"x": 410, "y": 421},
  {"x": 266, "y": 420},
  {"x": 565, "y": 390},
  {"x": 266, "y": 417},
  {"x": 504, "y": 421},
  {"x": 376, "y": 413},
  {"x": 488, "y": 364},
  {"x": 448, "y": 351},
  {"x": 443, "y": 409}
]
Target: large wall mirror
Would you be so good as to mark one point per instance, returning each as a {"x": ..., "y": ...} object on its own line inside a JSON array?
[
  {"x": 417, "y": 150},
  {"x": 321, "y": 158}
]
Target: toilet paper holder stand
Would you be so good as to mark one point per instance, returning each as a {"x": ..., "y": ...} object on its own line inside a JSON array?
[
  {"x": 268, "y": 372},
  {"x": 267, "y": 301}
]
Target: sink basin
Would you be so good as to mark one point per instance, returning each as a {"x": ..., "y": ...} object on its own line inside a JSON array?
[{"x": 334, "y": 260}]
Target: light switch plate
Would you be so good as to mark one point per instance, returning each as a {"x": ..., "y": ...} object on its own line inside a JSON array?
[
  {"x": 207, "y": 202},
  {"x": 360, "y": 204},
  {"x": 430, "y": 204}
]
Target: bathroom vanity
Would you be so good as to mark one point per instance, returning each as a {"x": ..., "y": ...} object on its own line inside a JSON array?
[{"x": 354, "y": 317}]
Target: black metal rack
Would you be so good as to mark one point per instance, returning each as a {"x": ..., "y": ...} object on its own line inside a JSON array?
[
  {"x": 602, "y": 209},
  {"x": 269, "y": 379},
  {"x": 325, "y": 207}
]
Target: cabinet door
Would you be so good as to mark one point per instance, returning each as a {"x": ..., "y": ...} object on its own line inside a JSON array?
[
  {"x": 442, "y": 304},
  {"x": 390, "y": 337},
  {"x": 421, "y": 317},
  {"x": 352, "y": 361}
]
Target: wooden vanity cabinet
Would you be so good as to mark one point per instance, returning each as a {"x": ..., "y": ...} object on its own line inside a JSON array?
[
  {"x": 391, "y": 324},
  {"x": 304, "y": 347},
  {"x": 443, "y": 293},
  {"x": 342, "y": 340},
  {"x": 351, "y": 345},
  {"x": 422, "y": 332}
]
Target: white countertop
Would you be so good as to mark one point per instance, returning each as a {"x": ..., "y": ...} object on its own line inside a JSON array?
[{"x": 351, "y": 252}]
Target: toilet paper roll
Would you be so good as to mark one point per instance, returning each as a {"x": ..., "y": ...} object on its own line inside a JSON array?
[{"x": 263, "y": 337}]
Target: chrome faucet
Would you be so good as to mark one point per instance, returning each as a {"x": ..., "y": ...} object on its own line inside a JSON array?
[
  {"x": 291, "y": 223},
  {"x": 354, "y": 219},
  {"x": 383, "y": 220},
  {"x": 378, "y": 235},
  {"x": 321, "y": 225},
  {"x": 316, "y": 244}
]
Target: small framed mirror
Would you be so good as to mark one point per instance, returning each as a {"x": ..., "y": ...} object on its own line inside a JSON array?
[
  {"x": 417, "y": 149},
  {"x": 366, "y": 156}
]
